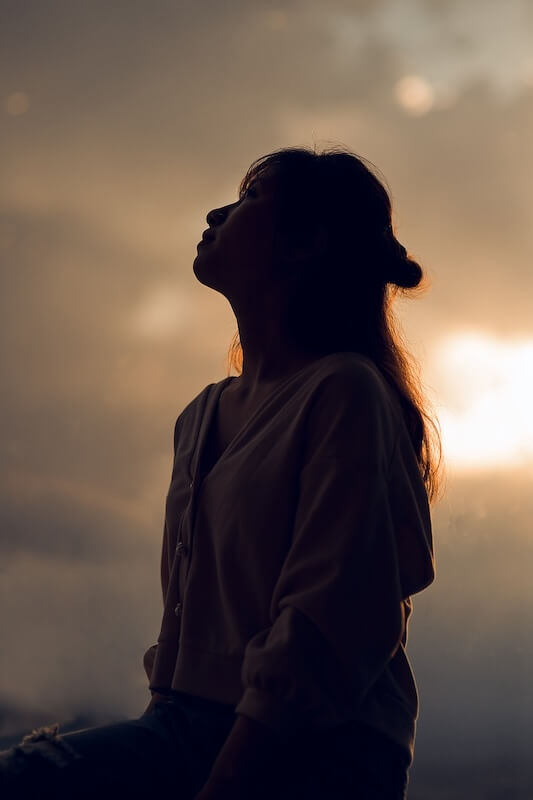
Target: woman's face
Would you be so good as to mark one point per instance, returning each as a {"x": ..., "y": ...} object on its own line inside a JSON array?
[{"x": 240, "y": 261}]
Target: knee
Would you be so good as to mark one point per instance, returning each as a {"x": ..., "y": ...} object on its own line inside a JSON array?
[{"x": 34, "y": 763}]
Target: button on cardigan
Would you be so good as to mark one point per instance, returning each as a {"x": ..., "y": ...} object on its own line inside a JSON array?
[{"x": 287, "y": 568}]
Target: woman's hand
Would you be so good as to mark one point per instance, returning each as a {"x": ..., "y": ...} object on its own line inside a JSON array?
[
  {"x": 250, "y": 757},
  {"x": 148, "y": 660},
  {"x": 156, "y": 698}
]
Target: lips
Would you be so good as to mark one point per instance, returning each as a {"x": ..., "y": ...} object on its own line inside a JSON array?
[{"x": 208, "y": 236}]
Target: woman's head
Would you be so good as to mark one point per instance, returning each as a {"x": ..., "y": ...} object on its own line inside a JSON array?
[
  {"x": 317, "y": 228},
  {"x": 328, "y": 207}
]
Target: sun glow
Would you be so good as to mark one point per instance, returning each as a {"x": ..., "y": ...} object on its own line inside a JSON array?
[
  {"x": 485, "y": 397},
  {"x": 414, "y": 94}
]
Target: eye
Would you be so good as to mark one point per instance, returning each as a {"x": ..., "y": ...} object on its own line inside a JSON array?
[{"x": 251, "y": 191}]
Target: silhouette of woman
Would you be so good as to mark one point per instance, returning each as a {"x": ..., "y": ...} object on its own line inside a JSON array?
[{"x": 297, "y": 522}]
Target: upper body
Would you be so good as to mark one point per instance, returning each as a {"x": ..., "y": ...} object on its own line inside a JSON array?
[{"x": 289, "y": 563}]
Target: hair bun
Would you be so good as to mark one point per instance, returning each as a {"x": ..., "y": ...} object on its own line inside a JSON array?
[{"x": 402, "y": 270}]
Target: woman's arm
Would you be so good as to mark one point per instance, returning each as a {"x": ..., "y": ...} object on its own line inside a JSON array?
[
  {"x": 250, "y": 754},
  {"x": 336, "y": 609}
]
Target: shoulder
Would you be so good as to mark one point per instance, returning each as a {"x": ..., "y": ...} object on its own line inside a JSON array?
[
  {"x": 351, "y": 401},
  {"x": 352, "y": 378},
  {"x": 198, "y": 400},
  {"x": 192, "y": 409}
]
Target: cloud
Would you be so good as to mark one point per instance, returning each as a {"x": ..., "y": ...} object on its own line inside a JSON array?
[
  {"x": 74, "y": 634},
  {"x": 53, "y": 515},
  {"x": 470, "y": 640}
]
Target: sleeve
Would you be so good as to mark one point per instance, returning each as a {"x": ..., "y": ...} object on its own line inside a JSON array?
[
  {"x": 149, "y": 656},
  {"x": 337, "y": 608}
]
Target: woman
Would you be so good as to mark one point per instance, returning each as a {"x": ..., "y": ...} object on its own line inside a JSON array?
[{"x": 297, "y": 521}]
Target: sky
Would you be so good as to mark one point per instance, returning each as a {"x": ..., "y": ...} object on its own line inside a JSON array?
[{"x": 121, "y": 125}]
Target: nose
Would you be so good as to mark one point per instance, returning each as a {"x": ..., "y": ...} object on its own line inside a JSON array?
[{"x": 216, "y": 216}]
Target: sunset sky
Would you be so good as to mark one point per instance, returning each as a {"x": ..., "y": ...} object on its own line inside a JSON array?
[{"x": 122, "y": 125}]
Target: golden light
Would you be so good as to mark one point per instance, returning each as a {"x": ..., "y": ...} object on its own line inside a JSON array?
[
  {"x": 414, "y": 94},
  {"x": 485, "y": 388},
  {"x": 161, "y": 313}
]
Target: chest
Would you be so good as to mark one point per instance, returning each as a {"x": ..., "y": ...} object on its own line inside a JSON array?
[{"x": 227, "y": 421}]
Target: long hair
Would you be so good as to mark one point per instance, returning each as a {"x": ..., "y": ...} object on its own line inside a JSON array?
[{"x": 343, "y": 299}]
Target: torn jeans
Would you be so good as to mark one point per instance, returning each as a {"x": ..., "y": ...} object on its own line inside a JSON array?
[{"x": 171, "y": 749}]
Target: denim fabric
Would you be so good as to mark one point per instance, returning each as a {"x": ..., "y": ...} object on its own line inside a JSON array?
[{"x": 170, "y": 752}]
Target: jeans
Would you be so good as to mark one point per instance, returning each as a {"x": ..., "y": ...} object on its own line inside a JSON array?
[{"x": 171, "y": 750}]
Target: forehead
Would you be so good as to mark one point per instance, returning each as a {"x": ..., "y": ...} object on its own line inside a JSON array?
[{"x": 265, "y": 180}]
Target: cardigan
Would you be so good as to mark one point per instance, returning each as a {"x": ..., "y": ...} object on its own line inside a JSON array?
[{"x": 287, "y": 567}]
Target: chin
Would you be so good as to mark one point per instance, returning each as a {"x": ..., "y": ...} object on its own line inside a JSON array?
[
  {"x": 203, "y": 277},
  {"x": 198, "y": 275}
]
